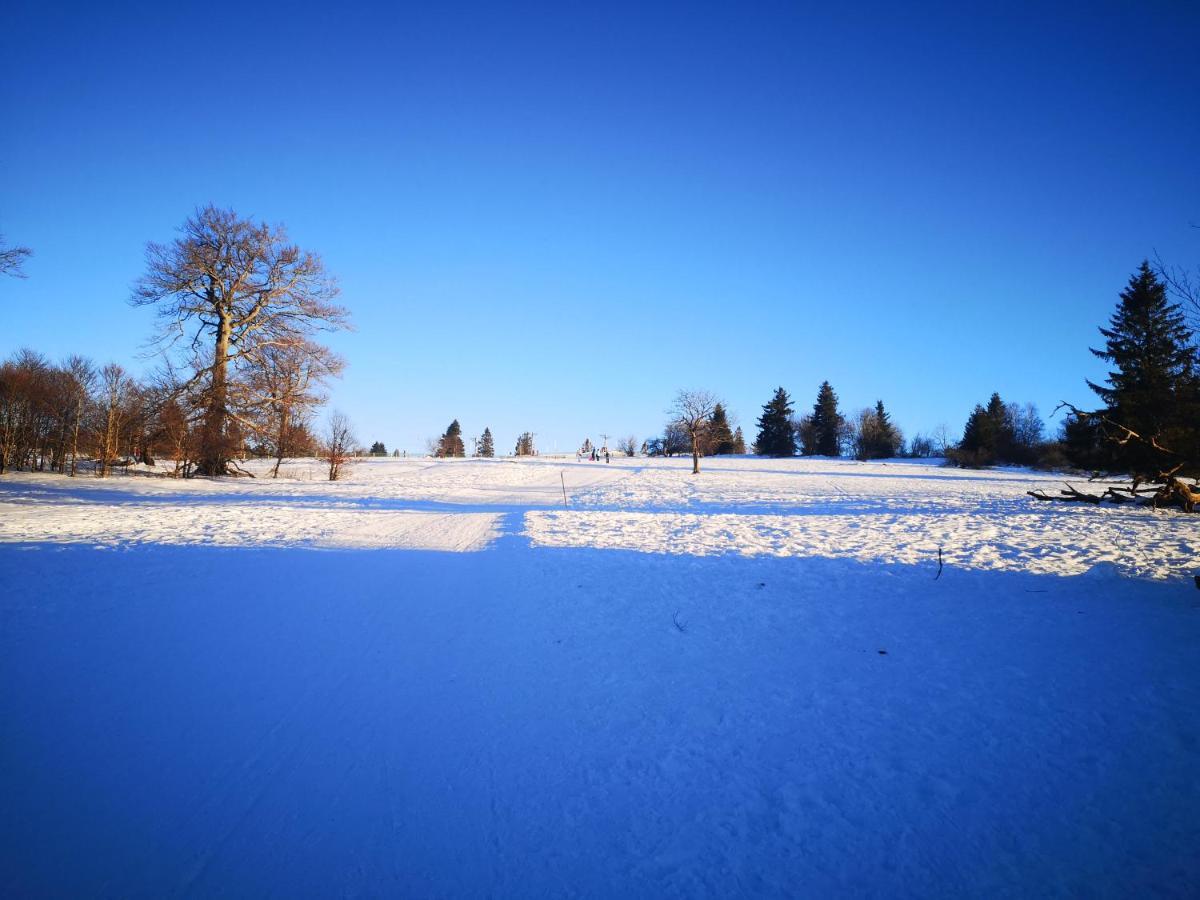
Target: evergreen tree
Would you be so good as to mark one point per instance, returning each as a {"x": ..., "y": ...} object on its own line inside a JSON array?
[
  {"x": 876, "y": 437},
  {"x": 1002, "y": 431},
  {"x": 1083, "y": 443},
  {"x": 775, "y": 436},
  {"x": 487, "y": 447},
  {"x": 586, "y": 448},
  {"x": 525, "y": 445},
  {"x": 1153, "y": 386},
  {"x": 451, "y": 444},
  {"x": 718, "y": 437},
  {"x": 889, "y": 441},
  {"x": 978, "y": 444},
  {"x": 377, "y": 449},
  {"x": 739, "y": 442},
  {"x": 827, "y": 424}
]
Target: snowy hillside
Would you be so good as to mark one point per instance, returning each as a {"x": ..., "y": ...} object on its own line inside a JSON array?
[{"x": 437, "y": 678}]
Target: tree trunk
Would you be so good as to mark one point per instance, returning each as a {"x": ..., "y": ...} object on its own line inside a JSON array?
[
  {"x": 110, "y": 440},
  {"x": 279, "y": 448},
  {"x": 214, "y": 452},
  {"x": 75, "y": 443},
  {"x": 695, "y": 455}
]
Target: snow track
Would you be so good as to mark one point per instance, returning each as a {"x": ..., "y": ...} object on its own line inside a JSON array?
[{"x": 433, "y": 679}]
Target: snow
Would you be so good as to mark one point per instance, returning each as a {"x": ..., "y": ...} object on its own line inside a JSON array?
[{"x": 435, "y": 678}]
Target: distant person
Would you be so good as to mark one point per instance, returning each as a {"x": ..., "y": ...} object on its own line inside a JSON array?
[{"x": 607, "y": 460}]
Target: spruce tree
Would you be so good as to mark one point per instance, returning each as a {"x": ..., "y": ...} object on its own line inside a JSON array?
[
  {"x": 1003, "y": 434},
  {"x": 880, "y": 439},
  {"x": 739, "y": 442},
  {"x": 487, "y": 447},
  {"x": 827, "y": 424},
  {"x": 775, "y": 436},
  {"x": 1153, "y": 386},
  {"x": 978, "y": 444},
  {"x": 718, "y": 437},
  {"x": 451, "y": 444}
]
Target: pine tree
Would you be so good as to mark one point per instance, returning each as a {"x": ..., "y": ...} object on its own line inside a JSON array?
[
  {"x": 1154, "y": 385},
  {"x": 377, "y": 449},
  {"x": 487, "y": 447},
  {"x": 739, "y": 442},
  {"x": 718, "y": 437},
  {"x": 525, "y": 445},
  {"x": 877, "y": 437},
  {"x": 1083, "y": 443},
  {"x": 827, "y": 424},
  {"x": 775, "y": 436},
  {"x": 891, "y": 437},
  {"x": 978, "y": 444},
  {"x": 451, "y": 444},
  {"x": 1002, "y": 432}
]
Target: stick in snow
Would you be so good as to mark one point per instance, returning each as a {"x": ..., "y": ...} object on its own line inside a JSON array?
[
  {"x": 939, "y": 574},
  {"x": 564, "y": 484}
]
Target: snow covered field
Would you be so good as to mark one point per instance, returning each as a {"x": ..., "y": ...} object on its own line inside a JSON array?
[{"x": 435, "y": 678}]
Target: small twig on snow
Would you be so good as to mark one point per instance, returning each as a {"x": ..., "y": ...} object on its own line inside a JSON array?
[{"x": 682, "y": 626}]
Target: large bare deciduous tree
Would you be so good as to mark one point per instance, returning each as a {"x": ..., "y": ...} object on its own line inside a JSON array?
[
  {"x": 229, "y": 293},
  {"x": 691, "y": 412}
]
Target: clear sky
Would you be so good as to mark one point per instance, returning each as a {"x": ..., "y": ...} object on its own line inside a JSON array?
[{"x": 551, "y": 217}]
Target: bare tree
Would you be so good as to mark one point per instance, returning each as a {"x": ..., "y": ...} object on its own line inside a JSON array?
[
  {"x": 82, "y": 380},
  {"x": 12, "y": 259},
  {"x": 339, "y": 443},
  {"x": 226, "y": 290},
  {"x": 115, "y": 389},
  {"x": 941, "y": 441},
  {"x": 628, "y": 445},
  {"x": 288, "y": 385},
  {"x": 1184, "y": 288},
  {"x": 691, "y": 412}
]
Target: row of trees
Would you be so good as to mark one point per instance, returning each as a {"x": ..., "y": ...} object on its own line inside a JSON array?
[
  {"x": 715, "y": 433},
  {"x": 450, "y": 445},
  {"x": 76, "y": 416},
  {"x": 1148, "y": 424},
  {"x": 868, "y": 434}
]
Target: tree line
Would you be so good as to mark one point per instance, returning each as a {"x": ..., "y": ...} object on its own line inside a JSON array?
[
  {"x": 450, "y": 444},
  {"x": 241, "y": 373},
  {"x": 1146, "y": 429}
]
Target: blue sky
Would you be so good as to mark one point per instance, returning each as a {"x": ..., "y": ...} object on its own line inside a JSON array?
[{"x": 552, "y": 217}]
